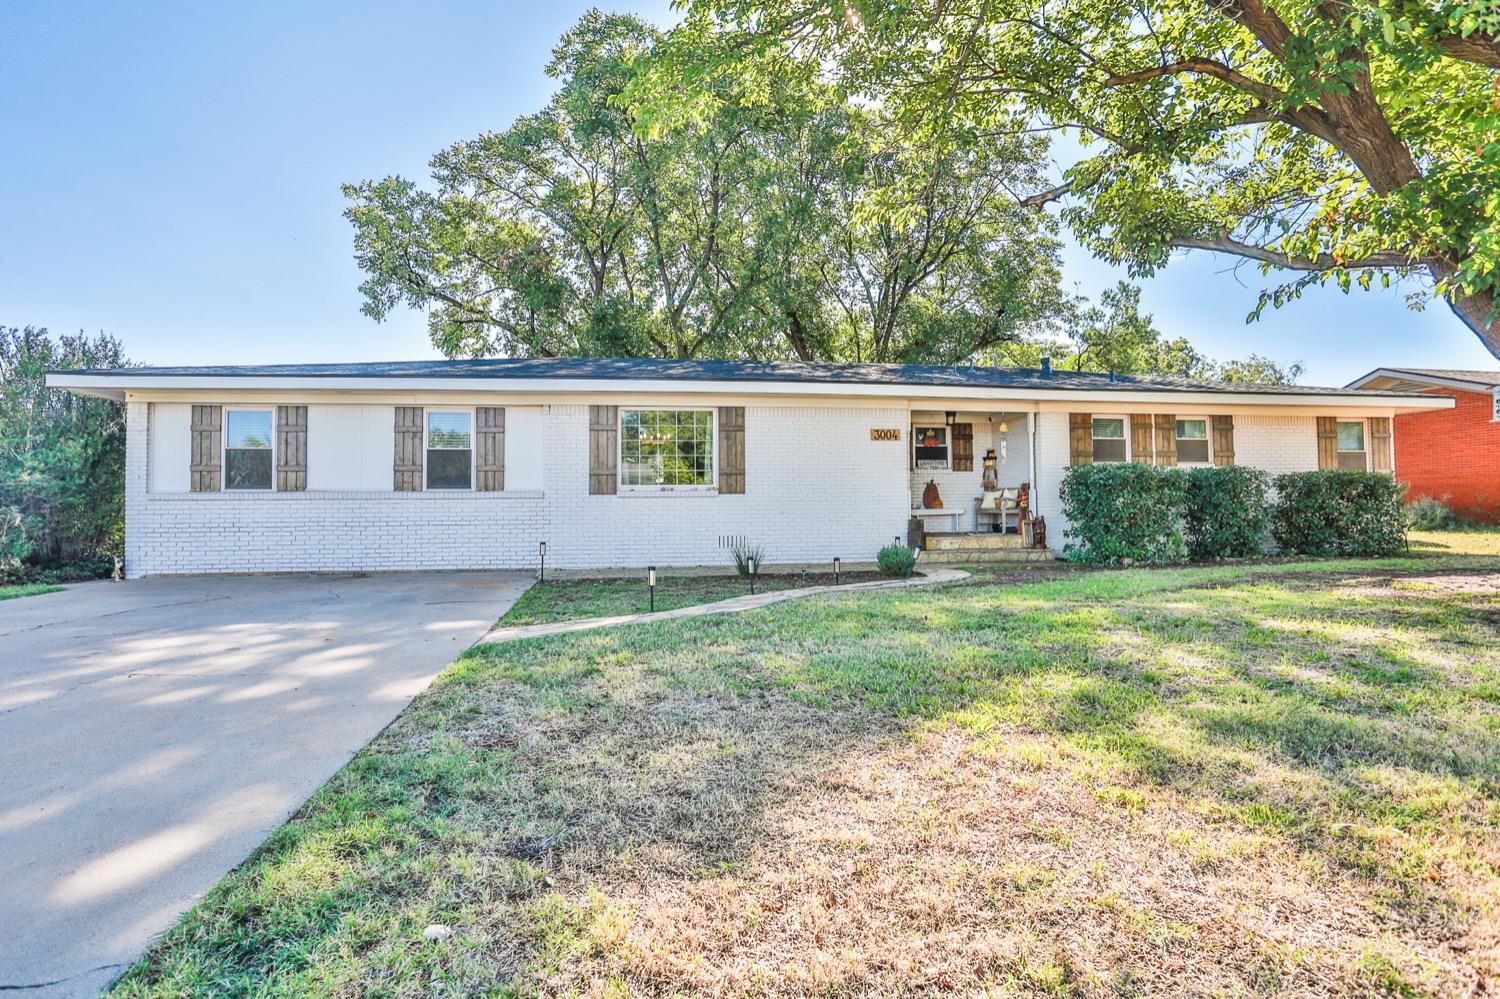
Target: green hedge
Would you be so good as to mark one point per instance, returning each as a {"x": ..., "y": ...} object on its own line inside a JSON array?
[
  {"x": 1228, "y": 512},
  {"x": 1127, "y": 512},
  {"x": 1339, "y": 513}
]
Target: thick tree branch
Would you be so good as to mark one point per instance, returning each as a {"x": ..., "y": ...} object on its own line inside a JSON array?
[
  {"x": 1477, "y": 48},
  {"x": 1263, "y": 92},
  {"x": 1267, "y": 255}
]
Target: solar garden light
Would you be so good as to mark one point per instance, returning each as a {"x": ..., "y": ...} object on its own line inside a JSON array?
[
  {"x": 541, "y": 550},
  {"x": 754, "y": 568},
  {"x": 651, "y": 584},
  {"x": 835, "y": 571}
]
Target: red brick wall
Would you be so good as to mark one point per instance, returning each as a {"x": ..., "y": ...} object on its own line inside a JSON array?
[{"x": 1453, "y": 454}]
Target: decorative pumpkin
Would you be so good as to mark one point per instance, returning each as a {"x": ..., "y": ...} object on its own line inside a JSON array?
[{"x": 930, "y": 497}]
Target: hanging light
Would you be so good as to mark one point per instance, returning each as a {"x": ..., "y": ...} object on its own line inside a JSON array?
[{"x": 1004, "y": 427}]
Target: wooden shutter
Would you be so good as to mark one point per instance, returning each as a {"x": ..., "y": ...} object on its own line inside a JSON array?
[
  {"x": 1140, "y": 437},
  {"x": 963, "y": 447},
  {"x": 408, "y": 461},
  {"x": 489, "y": 448},
  {"x": 1223, "y": 437},
  {"x": 1328, "y": 442},
  {"x": 604, "y": 450},
  {"x": 1166, "y": 439},
  {"x": 1081, "y": 438},
  {"x": 1380, "y": 444},
  {"x": 206, "y": 470},
  {"x": 291, "y": 448},
  {"x": 731, "y": 449}
]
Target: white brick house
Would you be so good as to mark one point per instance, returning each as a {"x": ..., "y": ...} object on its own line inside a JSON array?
[{"x": 472, "y": 464}]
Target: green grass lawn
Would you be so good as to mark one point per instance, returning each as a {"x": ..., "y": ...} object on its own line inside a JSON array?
[
  {"x": 26, "y": 590},
  {"x": 566, "y": 599},
  {"x": 1237, "y": 780}
]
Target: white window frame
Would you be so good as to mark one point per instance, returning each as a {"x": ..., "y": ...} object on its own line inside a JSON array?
[
  {"x": 224, "y": 448},
  {"x": 427, "y": 414},
  {"x": 709, "y": 488},
  {"x": 1364, "y": 435},
  {"x": 1124, "y": 429},
  {"x": 916, "y": 434},
  {"x": 1207, "y": 438}
]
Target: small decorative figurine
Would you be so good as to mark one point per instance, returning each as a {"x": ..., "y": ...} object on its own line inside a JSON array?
[
  {"x": 931, "y": 499},
  {"x": 991, "y": 474},
  {"x": 117, "y": 575}
]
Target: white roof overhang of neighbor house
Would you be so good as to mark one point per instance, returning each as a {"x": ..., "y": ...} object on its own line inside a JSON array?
[
  {"x": 914, "y": 386},
  {"x": 1417, "y": 379}
]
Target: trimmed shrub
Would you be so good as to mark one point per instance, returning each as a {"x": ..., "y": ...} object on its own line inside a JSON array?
[
  {"x": 1127, "y": 512},
  {"x": 744, "y": 553},
  {"x": 1339, "y": 512},
  {"x": 1430, "y": 514},
  {"x": 1228, "y": 512},
  {"x": 896, "y": 560}
]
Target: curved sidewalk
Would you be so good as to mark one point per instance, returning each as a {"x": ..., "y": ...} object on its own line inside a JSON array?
[{"x": 750, "y": 601}]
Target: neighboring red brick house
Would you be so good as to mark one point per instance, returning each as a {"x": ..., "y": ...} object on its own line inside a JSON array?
[{"x": 1450, "y": 454}]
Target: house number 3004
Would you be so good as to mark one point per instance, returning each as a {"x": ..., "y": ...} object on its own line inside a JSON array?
[{"x": 885, "y": 434}]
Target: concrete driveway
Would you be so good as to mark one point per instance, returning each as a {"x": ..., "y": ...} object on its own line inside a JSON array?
[{"x": 153, "y": 733}]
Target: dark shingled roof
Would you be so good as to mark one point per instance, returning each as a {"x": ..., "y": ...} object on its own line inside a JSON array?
[{"x": 615, "y": 368}]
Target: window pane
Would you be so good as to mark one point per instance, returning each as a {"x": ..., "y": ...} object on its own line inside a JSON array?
[
  {"x": 1109, "y": 449},
  {"x": 448, "y": 430},
  {"x": 1352, "y": 459},
  {"x": 247, "y": 468},
  {"x": 1112, "y": 429},
  {"x": 1190, "y": 450},
  {"x": 447, "y": 468},
  {"x": 247, "y": 428},
  {"x": 1195, "y": 430},
  {"x": 666, "y": 447},
  {"x": 1352, "y": 436}
]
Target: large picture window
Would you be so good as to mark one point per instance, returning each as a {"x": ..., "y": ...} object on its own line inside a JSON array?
[
  {"x": 1109, "y": 439},
  {"x": 248, "y": 450},
  {"x": 450, "y": 450},
  {"x": 1192, "y": 441},
  {"x": 1352, "y": 444},
  {"x": 666, "y": 447},
  {"x": 930, "y": 447}
]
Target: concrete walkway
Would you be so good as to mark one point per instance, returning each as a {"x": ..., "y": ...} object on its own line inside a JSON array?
[
  {"x": 930, "y": 577},
  {"x": 153, "y": 733}
]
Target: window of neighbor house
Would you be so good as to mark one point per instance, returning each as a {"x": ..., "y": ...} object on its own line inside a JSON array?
[
  {"x": 450, "y": 450},
  {"x": 667, "y": 448},
  {"x": 1192, "y": 441},
  {"x": 248, "y": 449},
  {"x": 1109, "y": 439},
  {"x": 1351, "y": 436},
  {"x": 930, "y": 447}
]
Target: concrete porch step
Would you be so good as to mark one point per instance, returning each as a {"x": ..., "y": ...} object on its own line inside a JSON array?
[
  {"x": 959, "y": 556},
  {"x": 981, "y": 541}
]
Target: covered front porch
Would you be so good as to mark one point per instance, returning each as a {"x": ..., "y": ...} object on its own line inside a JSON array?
[{"x": 976, "y": 519}]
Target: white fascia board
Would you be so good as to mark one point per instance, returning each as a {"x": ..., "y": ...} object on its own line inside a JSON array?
[
  {"x": 608, "y": 387},
  {"x": 1412, "y": 376}
]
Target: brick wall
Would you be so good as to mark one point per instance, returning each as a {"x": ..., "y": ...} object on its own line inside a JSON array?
[
  {"x": 816, "y": 487},
  {"x": 1453, "y": 454}
]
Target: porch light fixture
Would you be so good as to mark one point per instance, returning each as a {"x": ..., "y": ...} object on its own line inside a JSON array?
[
  {"x": 950, "y": 416},
  {"x": 541, "y": 550},
  {"x": 835, "y": 572},
  {"x": 651, "y": 584}
]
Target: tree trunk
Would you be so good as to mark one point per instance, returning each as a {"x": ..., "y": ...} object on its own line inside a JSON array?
[{"x": 1474, "y": 311}]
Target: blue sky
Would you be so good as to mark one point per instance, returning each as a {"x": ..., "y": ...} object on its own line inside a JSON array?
[{"x": 170, "y": 173}]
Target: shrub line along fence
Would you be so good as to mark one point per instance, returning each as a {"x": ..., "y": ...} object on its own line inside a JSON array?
[{"x": 1136, "y": 513}]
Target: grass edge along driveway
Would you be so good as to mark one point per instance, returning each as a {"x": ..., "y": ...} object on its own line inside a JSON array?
[{"x": 1237, "y": 780}]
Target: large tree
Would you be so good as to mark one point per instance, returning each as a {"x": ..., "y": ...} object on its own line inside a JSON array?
[
  {"x": 1351, "y": 141},
  {"x": 779, "y": 223}
]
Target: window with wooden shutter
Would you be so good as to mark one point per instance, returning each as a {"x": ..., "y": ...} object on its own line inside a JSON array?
[
  {"x": 1081, "y": 438},
  {"x": 731, "y": 449},
  {"x": 489, "y": 449},
  {"x": 604, "y": 450},
  {"x": 408, "y": 459},
  {"x": 1140, "y": 437},
  {"x": 205, "y": 470},
  {"x": 1223, "y": 433},
  {"x": 1328, "y": 442},
  {"x": 1166, "y": 439},
  {"x": 963, "y": 447},
  {"x": 291, "y": 448}
]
